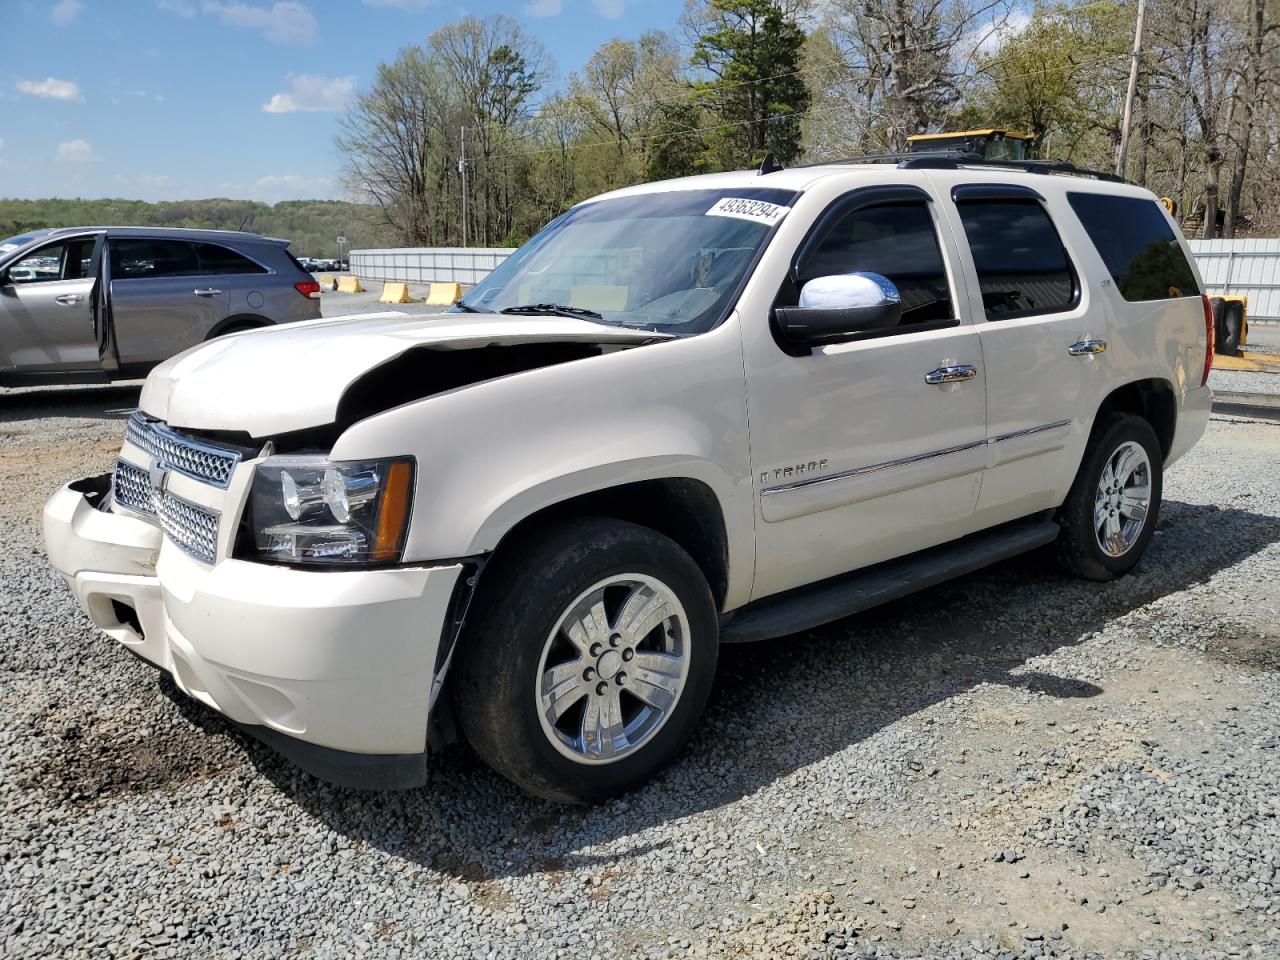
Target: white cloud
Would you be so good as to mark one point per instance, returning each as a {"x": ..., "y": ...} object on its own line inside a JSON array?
[
  {"x": 291, "y": 186},
  {"x": 402, "y": 4},
  {"x": 314, "y": 93},
  {"x": 990, "y": 37},
  {"x": 76, "y": 151},
  {"x": 285, "y": 21},
  {"x": 544, "y": 8},
  {"x": 65, "y": 11},
  {"x": 52, "y": 88},
  {"x": 610, "y": 9}
]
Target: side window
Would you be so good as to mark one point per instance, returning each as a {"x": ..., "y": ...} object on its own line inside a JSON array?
[
  {"x": 64, "y": 260},
  {"x": 1138, "y": 246},
  {"x": 142, "y": 259},
  {"x": 217, "y": 259},
  {"x": 1023, "y": 268},
  {"x": 896, "y": 240}
]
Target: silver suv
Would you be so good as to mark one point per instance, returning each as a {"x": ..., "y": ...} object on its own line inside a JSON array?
[{"x": 165, "y": 290}]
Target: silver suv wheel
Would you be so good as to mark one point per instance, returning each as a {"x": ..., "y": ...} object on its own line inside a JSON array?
[
  {"x": 613, "y": 668},
  {"x": 1122, "y": 500}
]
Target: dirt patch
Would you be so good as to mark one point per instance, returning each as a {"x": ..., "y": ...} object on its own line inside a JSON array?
[{"x": 86, "y": 766}]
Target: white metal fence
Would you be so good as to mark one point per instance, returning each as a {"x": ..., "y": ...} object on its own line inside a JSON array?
[
  {"x": 1245, "y": 268},
  {"x": 1250, "y": 267},
  {"x": 428, "y": 264}
]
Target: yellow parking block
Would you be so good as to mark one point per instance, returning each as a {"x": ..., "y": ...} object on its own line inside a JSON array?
[
  {"x": 1252, "y": 362},
  {"x": 395, "y": 293},
  {"x": 327, "y": 282},
  {"x": 349, "y": 285},
  {"x": 443, "y": 294}
]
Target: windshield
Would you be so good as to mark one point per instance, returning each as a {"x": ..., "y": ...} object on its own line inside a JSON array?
[
  {"x": 669, "y": 261},
  {"x": 13, "y": 243}
]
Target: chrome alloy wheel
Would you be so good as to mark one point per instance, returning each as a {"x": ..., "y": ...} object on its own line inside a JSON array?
[
  {"x": 1122, "y": 500},
  {"x": 613, "y": 668}
]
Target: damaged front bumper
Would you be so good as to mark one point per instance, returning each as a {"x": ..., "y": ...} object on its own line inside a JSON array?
[{"x": 335, "y": 669}]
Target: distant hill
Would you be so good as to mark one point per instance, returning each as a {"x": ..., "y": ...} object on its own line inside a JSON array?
[{"x": 312, "y": 225}]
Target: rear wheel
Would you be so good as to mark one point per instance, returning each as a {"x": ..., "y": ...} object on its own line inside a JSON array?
[
  {"x": 588, "y": 661},
  {"x": 1111, "y": 512}
]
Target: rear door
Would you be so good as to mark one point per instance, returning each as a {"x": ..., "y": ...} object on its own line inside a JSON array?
[
  {"x": 243, "y": 281},
  {"x": 161, "y": 303},
  {"x": 46, "y": 308},
  {"x": 1044, "y": 335}
]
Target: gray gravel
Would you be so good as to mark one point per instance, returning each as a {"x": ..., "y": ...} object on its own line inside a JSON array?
[{"x": 1012, "y": 765}]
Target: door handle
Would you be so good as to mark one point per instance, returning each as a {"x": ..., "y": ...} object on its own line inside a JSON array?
[
  {"x": 952, "y": 374},
  {"x": 69, "y": 299},
  {"x": 1087, "y": 348},
  {"x": 208, "y": 292}
]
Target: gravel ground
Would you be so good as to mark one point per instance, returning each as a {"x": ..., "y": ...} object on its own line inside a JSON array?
[{"x": 1012, "y": 765}]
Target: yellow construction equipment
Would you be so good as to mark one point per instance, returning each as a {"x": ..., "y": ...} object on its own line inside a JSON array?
[
  {"x": 993, "y": 143},
  {"x": 349, "y": 285},
  {"x": 393, "y": 292},
  {"x": 443, "y": 294}
]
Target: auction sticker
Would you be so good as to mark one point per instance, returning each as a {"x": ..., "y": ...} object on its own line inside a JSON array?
[{"x": 744, "y": 209}]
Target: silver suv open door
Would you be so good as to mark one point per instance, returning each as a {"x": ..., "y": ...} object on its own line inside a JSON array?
[{"x": 47, "y": 300}]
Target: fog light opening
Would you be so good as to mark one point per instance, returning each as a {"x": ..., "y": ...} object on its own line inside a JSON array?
[{"x": 127, "y": 616}]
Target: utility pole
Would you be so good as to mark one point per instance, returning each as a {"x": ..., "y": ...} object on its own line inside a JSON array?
[
  {"x": 1123, "y": 153},
  {"x": 462, "y": 169}
]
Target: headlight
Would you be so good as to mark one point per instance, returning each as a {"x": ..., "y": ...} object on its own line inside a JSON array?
[{"x": 307, "y": 510}]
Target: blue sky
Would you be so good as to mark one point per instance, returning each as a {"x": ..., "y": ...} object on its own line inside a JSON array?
[{"x": 176, "y": 99}]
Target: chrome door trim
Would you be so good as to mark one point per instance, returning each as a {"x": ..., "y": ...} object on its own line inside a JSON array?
[
  {"x": 956, "y": 373},
  {"x": 1043, "y": 428},
  {"x": 904, "y": 461},
  {"x": 872, "y": 468}
]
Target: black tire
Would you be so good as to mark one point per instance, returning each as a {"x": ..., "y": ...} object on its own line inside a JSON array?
[
  {"x": 1079, "y": 550},
  {"x": 238, "y": 326},
  {"x": 1232, "y": 324},
  {"x": 524, "y": 592}
]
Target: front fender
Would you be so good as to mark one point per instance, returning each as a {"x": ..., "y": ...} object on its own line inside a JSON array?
[{"x": 491, "y": 454}]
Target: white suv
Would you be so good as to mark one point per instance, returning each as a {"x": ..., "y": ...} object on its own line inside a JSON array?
[{"x": 689, "y": 413}]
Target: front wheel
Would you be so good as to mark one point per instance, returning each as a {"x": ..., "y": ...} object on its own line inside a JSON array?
[
  {"x": 589, "y": 659},
  {"x": 1111, "y": 512}
]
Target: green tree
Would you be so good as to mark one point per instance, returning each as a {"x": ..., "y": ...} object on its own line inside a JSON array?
[{"x": 749, "y": 52}]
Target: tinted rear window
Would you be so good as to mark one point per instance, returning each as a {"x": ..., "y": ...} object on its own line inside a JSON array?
[
  {"x": 1138, "y": 246},
  {"x": 1023, "y": 269},
  {"x": 217, "y": 259},
  {"x": 138, "y": 259}
]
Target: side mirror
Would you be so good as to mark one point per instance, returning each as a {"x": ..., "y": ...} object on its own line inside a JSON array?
[{"x": 839, "y": 308}]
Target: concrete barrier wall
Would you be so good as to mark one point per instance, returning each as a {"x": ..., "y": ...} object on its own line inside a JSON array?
[{"x": 465, "y": 265}]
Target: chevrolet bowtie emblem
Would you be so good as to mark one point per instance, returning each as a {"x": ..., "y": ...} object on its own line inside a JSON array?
[{"x": 159, "y": 477}]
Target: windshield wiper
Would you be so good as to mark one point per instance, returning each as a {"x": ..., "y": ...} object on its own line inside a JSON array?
[{"x": 555, "y": 310}]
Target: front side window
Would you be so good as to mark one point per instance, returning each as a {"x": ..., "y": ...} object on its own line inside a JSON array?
[
  {"x": 672, "y": 261},
  {"x": 1138, "y": 246},
  {"x": 1023, "y": 268},
  {"x": 223, "y": 261},
  {"x": 139, "y": 259},
  {"x": 64, "y": 260},
  {"x": 896, "y": 240}
]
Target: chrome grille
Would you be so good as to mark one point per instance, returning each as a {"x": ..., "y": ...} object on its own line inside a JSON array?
[
  {"x": 131, "y": 487},
  {"x": 201, "y": 461},
  {"x": 194, "y": 529}
]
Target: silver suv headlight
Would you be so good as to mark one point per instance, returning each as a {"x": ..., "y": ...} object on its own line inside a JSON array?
[{"x": 309, "y": 510}]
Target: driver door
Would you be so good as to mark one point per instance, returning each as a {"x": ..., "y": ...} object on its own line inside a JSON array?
[
  {"x": 47, "y": 307},
  {"x": 859, "y": 455}
]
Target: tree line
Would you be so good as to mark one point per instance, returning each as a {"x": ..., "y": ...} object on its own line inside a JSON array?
[
  {"x": 464, "y": 137},
  {"x": 313, "y": 226}
]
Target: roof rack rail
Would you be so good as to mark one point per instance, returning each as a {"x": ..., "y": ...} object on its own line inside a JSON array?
[{"x": 955, "y": 159}]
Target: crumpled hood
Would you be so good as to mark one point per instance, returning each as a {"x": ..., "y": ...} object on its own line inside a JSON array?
[{"x": 279, "y": 379}]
